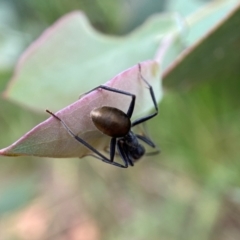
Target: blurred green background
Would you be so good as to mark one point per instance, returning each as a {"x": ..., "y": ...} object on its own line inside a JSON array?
[{"x": 189, "y": 191}]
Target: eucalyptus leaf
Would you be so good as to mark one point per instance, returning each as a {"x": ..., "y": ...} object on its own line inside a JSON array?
[
  {"x": 50, "y": 138},
  {"x": 215, "y": 57},
  {"x": 71, "y": 58}
]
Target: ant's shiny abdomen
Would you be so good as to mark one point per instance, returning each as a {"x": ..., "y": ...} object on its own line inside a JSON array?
[{"x": 111, "y": 121}]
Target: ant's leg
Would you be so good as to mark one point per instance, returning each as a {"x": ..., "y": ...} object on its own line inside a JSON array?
[
  {"x": 146, "y": 140},
  {"x": 123, "y": 155},
  {"x": 150, "y": 88},
  {"x": 150, "y": 143},
  {"x": 121, "y": 152},
  {"x": 132, "y": 104},
  {"x": 142, "y": 134},
  {"x": 112, "y": 149},
  {"x": 99, "y": 155},
  {"x": 143, "y": 119}
]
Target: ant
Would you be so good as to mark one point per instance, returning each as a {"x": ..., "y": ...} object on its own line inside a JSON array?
[{"x": 117, "y": 124}]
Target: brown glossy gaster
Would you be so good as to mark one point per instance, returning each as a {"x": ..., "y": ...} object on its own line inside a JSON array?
[
  {"x": 116, "y": 124},
  {"x": 111, "y": 121}
]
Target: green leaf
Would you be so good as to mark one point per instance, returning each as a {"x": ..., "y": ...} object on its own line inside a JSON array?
[
  {"x": 71, "y": 58},
  {"x": 216, "y": 56}
]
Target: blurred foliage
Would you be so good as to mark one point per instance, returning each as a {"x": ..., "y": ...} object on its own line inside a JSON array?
[
  {"x": 216, "y": 55},
  {"x": 74, "y": 47},
  {"x": 189, "y": 191},
  {"x": 115, "y": 17}
]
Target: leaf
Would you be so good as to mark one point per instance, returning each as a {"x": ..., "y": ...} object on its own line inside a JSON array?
[
  {"x": 71, "y": 58},
  {"x": 50, "y": 138},
  {"x": 216, "y": 56},
  {"x": 207, "y": 18}
]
